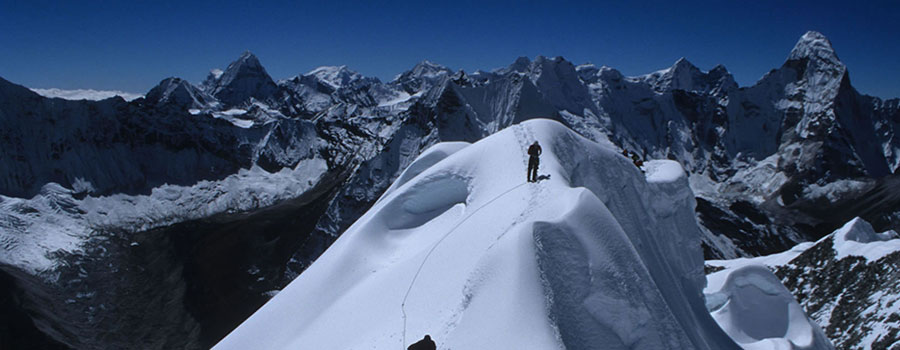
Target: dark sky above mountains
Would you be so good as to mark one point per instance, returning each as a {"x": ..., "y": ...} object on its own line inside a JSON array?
[{"x": 132, "y": 45}]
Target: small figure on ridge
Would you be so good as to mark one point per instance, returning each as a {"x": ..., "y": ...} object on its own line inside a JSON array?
[{"x": 534, "y": 152}]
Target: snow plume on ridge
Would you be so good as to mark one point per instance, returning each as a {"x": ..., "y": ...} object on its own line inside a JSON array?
[
  {"x": 593, "y": 256},
  {"x": 86, "y": 94}
]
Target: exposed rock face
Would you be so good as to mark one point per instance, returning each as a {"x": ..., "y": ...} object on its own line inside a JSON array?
[{"x": 850, "y": 297}]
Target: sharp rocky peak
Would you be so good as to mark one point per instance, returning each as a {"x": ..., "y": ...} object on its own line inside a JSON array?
[
  {"x": 813, "y": 45},
  {"x": 245, "y": 66},
  {"x": 244, "y": 78},
  {"x": 683, "y": 63}
]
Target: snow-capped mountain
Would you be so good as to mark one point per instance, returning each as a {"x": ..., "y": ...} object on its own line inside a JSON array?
[
  {"x": 243, "y": 79},
  {"x": 211, "y": 197},
  {"x": 421, "y": 77}
]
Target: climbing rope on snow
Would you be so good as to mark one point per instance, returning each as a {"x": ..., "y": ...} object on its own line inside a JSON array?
[
  {"x": 412, "y": 283},
  {"x": 434, "y": 247}
]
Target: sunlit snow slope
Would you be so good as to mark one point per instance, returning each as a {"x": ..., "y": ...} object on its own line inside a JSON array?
[{"x": 598, "y": 255}]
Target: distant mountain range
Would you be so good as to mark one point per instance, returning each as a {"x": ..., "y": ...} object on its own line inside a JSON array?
[{"x": 170, "y": 218}]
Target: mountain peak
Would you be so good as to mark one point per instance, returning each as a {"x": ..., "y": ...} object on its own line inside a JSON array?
[
  {"x": 421, "y": 76},
  {"x": 521, "y": 65},
  {"x": 179, "y": 92},
  {"x": 244, "y": 78},
  {"x": 683, "y": 62},
  {"x": 813, "y": 45},
  {"x": 247, "y": 61},
  {"x": 335, "y": 76}
]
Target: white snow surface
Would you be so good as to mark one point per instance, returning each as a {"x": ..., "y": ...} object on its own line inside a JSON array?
[
  {"x": 664, "y": 171},
  {"x": 86, "y": 94},
  {"x": 855, "y": 238},
  {"x": 463, "y": 249},
  {"x": 53, "y": 222},
  {"x": 758, "y": 312},
  {"x": 858, "y": 238}
]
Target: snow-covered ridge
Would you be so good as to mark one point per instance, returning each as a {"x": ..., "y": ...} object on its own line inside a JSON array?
[
  {"x": 858, "y": 238},
  {"x": 464, "y": 249},
  {"x": 56, "y": 222},
  {"x": 86, "y": 94}
]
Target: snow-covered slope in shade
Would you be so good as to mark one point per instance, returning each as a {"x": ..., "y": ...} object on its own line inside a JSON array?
[
  {"x": 758, "y": 312},
  {"x": 86, "y": 94},
  {"x": 593, "y": 256},
  {"x": 54, "y": 222},
  {"x": 846, "y": 281}
]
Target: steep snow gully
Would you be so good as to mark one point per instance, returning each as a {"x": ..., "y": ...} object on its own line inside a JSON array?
[{"x": 598, "y": 256}]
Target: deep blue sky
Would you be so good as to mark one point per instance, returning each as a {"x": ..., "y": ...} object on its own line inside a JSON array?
[{"x": 132, "y": 45}]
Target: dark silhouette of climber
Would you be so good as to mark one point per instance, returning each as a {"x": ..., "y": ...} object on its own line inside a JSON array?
[
  {"x": 424, "y": 344},
  {"x": 534, "y": 152},
  {"x": 637, "y": 161}
]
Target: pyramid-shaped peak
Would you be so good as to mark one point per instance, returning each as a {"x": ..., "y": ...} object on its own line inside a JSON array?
[
  {"x": 813, "y": 45},
  {"x": 247, "y": 60},
  {"x": 244, "y": 78},
  {"x": 682, "y": 63}
]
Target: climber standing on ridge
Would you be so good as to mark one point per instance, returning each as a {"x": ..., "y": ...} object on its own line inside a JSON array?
[
  {"x": 534, "y": 152},
  {"x": 424, "y": 344}
]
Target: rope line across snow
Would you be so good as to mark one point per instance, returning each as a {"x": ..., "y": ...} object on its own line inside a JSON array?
[
  {"x": 519, "y": 137},
  {"x": 434, "y": 247}
]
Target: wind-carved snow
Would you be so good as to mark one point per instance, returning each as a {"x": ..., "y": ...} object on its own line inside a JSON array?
[
  {"x": 758, "y": 312},
  {"x": 594, "y": 256},
  {"x": 86, "y": 94},
  {"x": 856, "y": 256}
]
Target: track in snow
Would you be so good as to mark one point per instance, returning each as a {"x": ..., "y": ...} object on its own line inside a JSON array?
[{"x": 523, "y": 136}]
